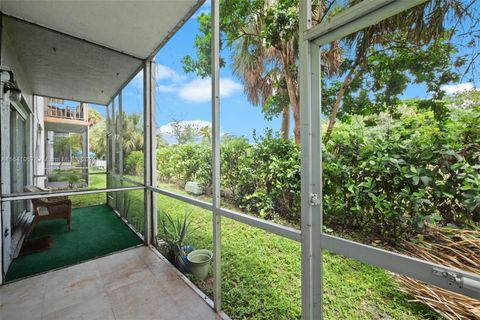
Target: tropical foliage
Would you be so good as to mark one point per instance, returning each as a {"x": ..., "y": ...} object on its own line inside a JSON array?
[
  {"x": 415, "y": 46},
  {"x": 97, "y": 140},
  {"x": 64, "y": 145},
  {"x": 132, "y": 137},
  {"x": 383, "y": 176},
  {"x": 174, "y": 232}
]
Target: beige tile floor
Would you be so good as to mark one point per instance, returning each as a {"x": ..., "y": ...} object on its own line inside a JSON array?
[{"x": 134, "y": 285}]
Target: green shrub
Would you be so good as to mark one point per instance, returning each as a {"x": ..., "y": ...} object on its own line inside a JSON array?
[
  {"x": 268, "y": 178},
  {"x": 412, "y": 171},
  {"x": 185, "y": 162},
  {"x": 134, "y": 164},
  {"x": 382, "y": 176}
]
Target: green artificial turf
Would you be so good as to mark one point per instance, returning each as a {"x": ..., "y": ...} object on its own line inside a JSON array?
[{"x": 96, "y": 231}]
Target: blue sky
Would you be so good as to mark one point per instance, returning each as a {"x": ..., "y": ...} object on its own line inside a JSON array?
[{"x": 185, "y": 97}]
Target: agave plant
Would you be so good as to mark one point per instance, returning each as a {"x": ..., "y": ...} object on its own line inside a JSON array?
[{"x": 174, "y": 231}]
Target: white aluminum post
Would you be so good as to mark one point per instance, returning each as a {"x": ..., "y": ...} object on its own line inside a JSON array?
[
  {"x": 153, "y": 155},
  {"x": 216, "y": 218},
  {"x": 316, "y": 200},
  {"x": 120, "y": 135},
  {"x": 108, "y": 137},
  {"x": 113, "y": 126},
  {"x": 149, "y": 95},
  {"x": 4, "y": 175},
  {"x": 2, "y": 165},
  {"x": 311, "y": 184},
  {"x": 86, "y": 149}
]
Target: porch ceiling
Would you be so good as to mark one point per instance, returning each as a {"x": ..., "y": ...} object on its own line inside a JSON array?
[{"x": 87, "y": 50}]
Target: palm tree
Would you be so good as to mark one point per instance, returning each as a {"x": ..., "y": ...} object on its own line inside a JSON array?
[
  {"x": 97, "y": 140},
  {"x": 206, "y": 134},
  {"x": 267, "y": 71},
  {"x": 258, "y": 68},
  {"x": 264, "y": 37},
  {"x": 132, "y": 131},
  {"x": 94, "y": 117}
]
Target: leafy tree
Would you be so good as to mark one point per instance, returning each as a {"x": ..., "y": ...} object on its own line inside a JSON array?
[
  {"x": 63, "y": 145},
  {"x": 94, "y": 117},
  {"x": 184, "y": 132},
  {"x": 134, "y": 163},
  {"x": 132, "y": 132},
  {"x": 206, "y": 134},
  {"x": 161, "y": 142},
  {"x": 263, "y": 36},
  {"x": 98, "y": 140},
  {"x": 375, "y": 79}
]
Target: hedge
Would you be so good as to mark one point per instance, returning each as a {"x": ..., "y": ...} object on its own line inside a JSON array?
[{"x": 383, "y": 176}]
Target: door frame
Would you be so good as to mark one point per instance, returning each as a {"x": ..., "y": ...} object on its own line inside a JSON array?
[{"x": 23, "y": 110}]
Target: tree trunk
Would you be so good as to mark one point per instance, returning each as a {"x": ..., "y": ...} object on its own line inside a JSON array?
[
  {"x": 341, "y": 93},
  {"x": 296, "y": 119},
  {"x": 286, "y": 122},
  {"x": 61, "y": 161},
  {"x": 292, "y": 90}
]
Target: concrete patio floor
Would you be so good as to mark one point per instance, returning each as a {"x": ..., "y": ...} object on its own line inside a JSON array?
[{"x": 133, "y": 284}]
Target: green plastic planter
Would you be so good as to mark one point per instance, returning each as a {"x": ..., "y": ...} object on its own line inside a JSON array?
[{"x": 198, "y": 263}]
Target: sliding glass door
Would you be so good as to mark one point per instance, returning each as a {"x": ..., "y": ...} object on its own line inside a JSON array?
[{"x": 18, "y": 162}]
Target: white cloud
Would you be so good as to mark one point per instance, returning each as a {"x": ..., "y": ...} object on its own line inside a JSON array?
[
  {"x": 167, "y": 88},
  {"x": 167, "y": 73},
  {"x": 199, "y": 90},
  {"x": 451, "y": 89}
]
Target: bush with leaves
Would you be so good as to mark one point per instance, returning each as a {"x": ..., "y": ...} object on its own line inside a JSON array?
[
  {"x": 383, "y": 176},
  {"x": 185, "y": 162},
  {"x": 268, "y": 181},
  {"x": 389, "y": 180},
  {"x": 134, "y": 165}
]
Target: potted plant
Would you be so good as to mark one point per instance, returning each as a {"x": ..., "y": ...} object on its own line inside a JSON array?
[{"x": 173, "y": 232}]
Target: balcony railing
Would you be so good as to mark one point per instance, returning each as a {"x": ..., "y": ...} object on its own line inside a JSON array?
[{"x": 72, "y": 113}]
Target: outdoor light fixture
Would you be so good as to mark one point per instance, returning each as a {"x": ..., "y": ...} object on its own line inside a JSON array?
[{"x": 11, "y": 86}]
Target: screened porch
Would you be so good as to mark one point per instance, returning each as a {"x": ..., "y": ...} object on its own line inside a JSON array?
[{"x": 122, "y": 156}]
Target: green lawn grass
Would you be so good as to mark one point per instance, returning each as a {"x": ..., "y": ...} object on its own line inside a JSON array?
[
  {"x": 261, "y": 272},
  {"x": 261, "y": 275},
  {"x": 97, "y": 181}
]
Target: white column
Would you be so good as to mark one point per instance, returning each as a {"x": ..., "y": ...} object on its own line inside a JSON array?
[
  {"x": 150, "y": 205},
  {"x": 216, "y": 219}
]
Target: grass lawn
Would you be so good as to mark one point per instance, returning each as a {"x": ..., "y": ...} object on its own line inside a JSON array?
[
  {"x": 97, "y": 181},
  {"x": 261, "y": 275},
  {"x": 261, "y": 271}
]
